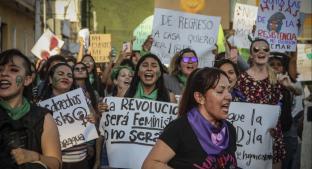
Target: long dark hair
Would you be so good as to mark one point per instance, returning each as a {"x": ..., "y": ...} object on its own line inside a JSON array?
[
  {"x": 7, "y": 57},
  {"x": 97, "y": 84},
  {"x": 47, "y": 65},
  {"x": 219, "y": 63},
  {"x": 163, "y": 94},
  {"x": 200, "y": 80},
  {"x": 47, "y": 88},
  {"x": 89, "y": 87}
]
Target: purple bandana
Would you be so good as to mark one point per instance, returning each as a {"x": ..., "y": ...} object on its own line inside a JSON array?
[{"x": 212, "y": 140}]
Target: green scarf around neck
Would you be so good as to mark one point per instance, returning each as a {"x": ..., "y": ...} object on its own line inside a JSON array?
[
  {"x": 140, "y": 93},
  {"x": 91, "y": 78},
  {"x": 18, "y": 112},
  {"x": 182, "y": 78}
]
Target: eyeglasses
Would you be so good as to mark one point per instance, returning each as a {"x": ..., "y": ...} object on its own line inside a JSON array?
[
  {"x": 256, "y": 50},
  {"x": 187, "y": 59},
  {"x": 78, "y": 69}
]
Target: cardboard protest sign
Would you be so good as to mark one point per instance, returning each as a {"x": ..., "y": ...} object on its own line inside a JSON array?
[
  {"x": 304, "y": 62},
  {"x": 100, "y": 47},
  {"x": 69, "y": 112},
  {"x": 174, "y": 31},
  {"x": 278, "y": 22},
  {"x": 244, "y": 19},
  {"x": 47, "y": 45},
  {"x": 141, "y": 32},
  {"x": 131, "y": 128},
  {"x": 254, "y": 142}
]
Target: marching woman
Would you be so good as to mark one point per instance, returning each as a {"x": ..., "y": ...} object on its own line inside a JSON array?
[
  {"x": 200, "y": 137},
  {"x": 259, "y": 84},
  {"x": 148, "y": 81},
  {"x": 28, "y": 133},
  {"x": 181, "y": 66},
  {"x": 60, "y": 80}
]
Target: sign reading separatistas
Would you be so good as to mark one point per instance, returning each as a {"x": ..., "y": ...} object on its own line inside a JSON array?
[
  {"x": 254, "y": 141},
  {"x": 69, "y": 112},
  {"x": 131, "y": 128},
  {"x": 47, "y": 45},
  {"x": 174, "y": 31},
  {"x": 100, "y": 45},
  {"x": 304, "y": 62},
  {"x": 279, "y": 23},
  {"x": 244, "y": 19}
]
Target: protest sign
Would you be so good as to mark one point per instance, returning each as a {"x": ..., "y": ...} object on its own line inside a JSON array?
[
  {"x": 47, "y": 45},
  {"x": 141, "y": 33},
  {"x": 278, "y": 22},
  {"x": 244, "y": 19},
  {"x": 100, "y": 45},
  {"x": 304, "y": 62},
  {"x": 174, "y": 31},
  {"x": 131, "y": 128},
  {"x": 254, "y": 142},
  {"x": 85, "y": 35},
  {"x": 69, "y": 112}
]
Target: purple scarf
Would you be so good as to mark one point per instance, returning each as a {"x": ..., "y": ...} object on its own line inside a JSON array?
[{"x": 212, "y": 140}]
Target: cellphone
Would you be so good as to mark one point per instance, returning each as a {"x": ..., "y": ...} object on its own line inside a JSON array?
[{"x": 126, "y": 47}]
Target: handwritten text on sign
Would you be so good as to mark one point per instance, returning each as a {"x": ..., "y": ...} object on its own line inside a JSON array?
[
  {"x": 131, "y": 128},
  {"x": 174, "y": 31},
  {"x": 100, "y": 47},
  {"x": 69, "y": 112},
  {"x": 278, "y": 22},
  {"x": 254, "y": 142},
  {"x": 244, "y": 19}
]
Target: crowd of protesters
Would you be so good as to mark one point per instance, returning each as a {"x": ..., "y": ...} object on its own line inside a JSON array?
[{"x": 29, "y": 135}]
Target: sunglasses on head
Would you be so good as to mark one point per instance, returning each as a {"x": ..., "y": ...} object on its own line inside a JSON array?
[
  {"x": 187, "y": 59},
  {"x": 78, "y": 69},
  {"x": 256, "y": 50}
]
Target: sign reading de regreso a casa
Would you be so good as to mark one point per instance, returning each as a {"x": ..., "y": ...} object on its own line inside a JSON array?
[
  {"x": 278, "y": 22},
  {"x": 174, "y": 31}
]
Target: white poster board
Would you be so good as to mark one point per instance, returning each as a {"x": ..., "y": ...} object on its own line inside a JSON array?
[
  {"x": 47, "y": 45},
  {"x": 131, "y": 128},
  {"x": 244, "y": 19},
  {"x": 304, "y": 62},
  {"x": 278, "y": 23},
  {"x": 254, "y": 142},
  {"x": 174, "y": 31},
  {"x": 69, "y": 112}
]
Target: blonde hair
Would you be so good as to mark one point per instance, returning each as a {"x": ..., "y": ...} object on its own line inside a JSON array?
[{"x": 272, "y": 75}]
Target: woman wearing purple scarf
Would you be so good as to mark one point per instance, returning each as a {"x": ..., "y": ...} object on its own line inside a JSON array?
[{"x": 201, "y": 137}]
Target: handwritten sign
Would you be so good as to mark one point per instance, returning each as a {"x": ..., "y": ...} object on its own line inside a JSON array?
[
  {"x": 47, "y": 45},
  {"x": 254, "y": 142},
  {"x": 69, "y": 112},
  {"x": 304, "y": 62},
  {"x": 131, "y": 128},
  {"x": 244, "y": 19},
  {"x": 100, "y": 47},
  {"x": 174, "y": 31},
  {"x": 141, "y": 32},
  {"x": 278, "y": 22}
]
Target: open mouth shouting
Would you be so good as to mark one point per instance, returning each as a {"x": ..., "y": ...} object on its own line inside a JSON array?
[{"x": 5, "y": 84}]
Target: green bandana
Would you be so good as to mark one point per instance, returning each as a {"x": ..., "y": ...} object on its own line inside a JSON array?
[
  {"x": 18, "y": 112},
  {"x": 309, "y": 55},
  {"x": 182, "y": 79},
  {"x": 140, "y": 93},
  {"x": 91, "y": 78}
]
